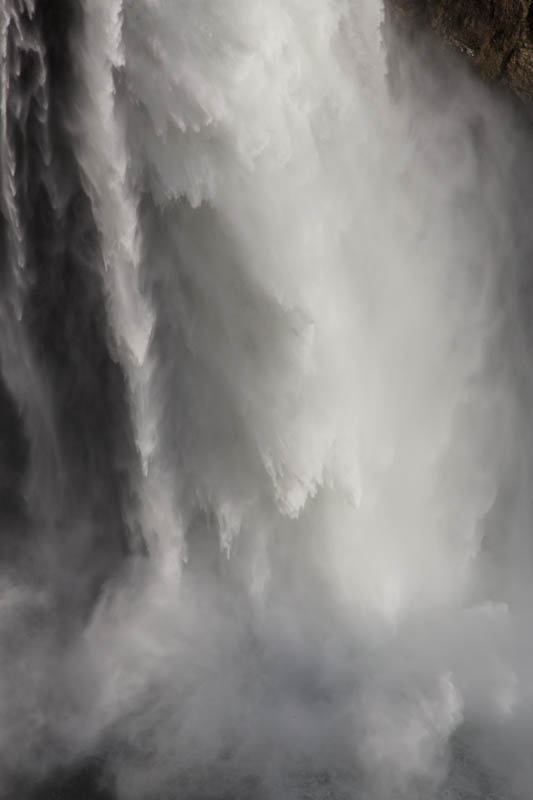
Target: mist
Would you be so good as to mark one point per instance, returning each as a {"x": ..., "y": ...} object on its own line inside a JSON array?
[{"x": 266, "y": 451}]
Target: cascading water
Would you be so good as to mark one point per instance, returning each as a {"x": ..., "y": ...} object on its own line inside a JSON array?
[{"x": 264, "y": 426}]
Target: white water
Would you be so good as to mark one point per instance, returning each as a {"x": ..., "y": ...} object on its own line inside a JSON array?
[{"x": 304, "y": 288}]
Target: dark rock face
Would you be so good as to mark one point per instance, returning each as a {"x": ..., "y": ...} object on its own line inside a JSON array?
[
  {"x": 497, "y": 35},
  {"x": 60, "y": 312}
]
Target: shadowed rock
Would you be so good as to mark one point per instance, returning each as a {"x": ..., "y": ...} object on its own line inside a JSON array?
[{"x": 496, "y": 35}]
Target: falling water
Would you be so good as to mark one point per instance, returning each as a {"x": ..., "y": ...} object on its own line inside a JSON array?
[{"x": 264, "y": 433}]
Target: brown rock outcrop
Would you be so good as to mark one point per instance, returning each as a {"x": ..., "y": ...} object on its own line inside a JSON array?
[{"x": 497, "y": 35}]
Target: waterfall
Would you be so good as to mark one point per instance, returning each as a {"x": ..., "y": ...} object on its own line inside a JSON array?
[{"x": 265, "y": 387}]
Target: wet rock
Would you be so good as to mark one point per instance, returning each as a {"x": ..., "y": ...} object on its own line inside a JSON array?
[{"x": 496, "y": 35}]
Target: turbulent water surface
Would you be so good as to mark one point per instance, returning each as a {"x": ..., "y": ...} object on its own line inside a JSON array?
[{"x": 265, "y": 441}]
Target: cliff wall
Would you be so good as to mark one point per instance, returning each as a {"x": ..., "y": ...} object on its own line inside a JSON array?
[{"x": 497, "y": 35}]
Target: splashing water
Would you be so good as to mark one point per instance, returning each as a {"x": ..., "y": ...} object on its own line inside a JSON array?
[{"x": 285, "y": 551}]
